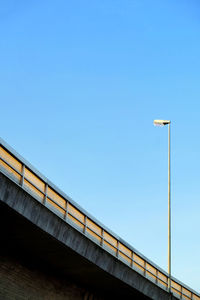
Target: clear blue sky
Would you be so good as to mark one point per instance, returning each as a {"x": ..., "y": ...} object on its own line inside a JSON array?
[{"x": 80, "y": 85}]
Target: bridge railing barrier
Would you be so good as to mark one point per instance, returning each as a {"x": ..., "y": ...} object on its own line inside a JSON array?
[{"x": 18, "y": 170}]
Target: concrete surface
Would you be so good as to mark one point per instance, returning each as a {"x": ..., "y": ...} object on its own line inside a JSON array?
[{"x": 29, "y": 231}]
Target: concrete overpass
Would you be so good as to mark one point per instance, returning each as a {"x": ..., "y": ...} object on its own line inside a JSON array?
[{"x": 44, "y": 234}]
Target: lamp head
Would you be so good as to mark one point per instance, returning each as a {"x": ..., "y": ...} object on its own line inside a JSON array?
[{"x": 161, "y": 122}]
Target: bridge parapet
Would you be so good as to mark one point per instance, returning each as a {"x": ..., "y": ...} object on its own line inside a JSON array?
[{"x": 29, "y": 179}]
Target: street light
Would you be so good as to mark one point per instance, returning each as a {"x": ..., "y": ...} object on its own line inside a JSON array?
[{"x": 163, "y": 123}]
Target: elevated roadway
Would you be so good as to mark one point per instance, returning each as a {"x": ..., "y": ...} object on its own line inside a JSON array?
[{"x": 41, "y": 223}]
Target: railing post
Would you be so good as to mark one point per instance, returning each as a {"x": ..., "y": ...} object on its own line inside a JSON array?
[
  {"x": 66, "y": 212},
  {"x": 23, "y": 171},
  {"x": 117, "y": 252},
  {"x": 45, "y": 195},
  {"x": 132, "y": 259},
  {"x": 145, "y": 268},
  {"x": 181, "y": 292},
  {"x": 156, "y": 276},
  {"x": 85, "y": 225},
  {"x": 102, "y": 236}
]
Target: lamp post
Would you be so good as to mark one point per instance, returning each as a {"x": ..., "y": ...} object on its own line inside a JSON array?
[{"x": 163, "y": 123}]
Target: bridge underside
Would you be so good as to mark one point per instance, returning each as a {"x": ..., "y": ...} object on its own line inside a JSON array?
[
  {"x": 39, "y": 241},
  {"x": 29, "y": 248}
]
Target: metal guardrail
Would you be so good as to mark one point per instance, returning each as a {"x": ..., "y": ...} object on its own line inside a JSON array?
[{"x": 19, "y": 170}]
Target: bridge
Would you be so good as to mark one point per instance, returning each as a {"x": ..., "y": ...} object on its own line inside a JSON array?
[{"x": 44, "y": 229}]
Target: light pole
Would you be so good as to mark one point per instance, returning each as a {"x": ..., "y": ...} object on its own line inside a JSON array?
[{"x": 163, "y": 123}]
